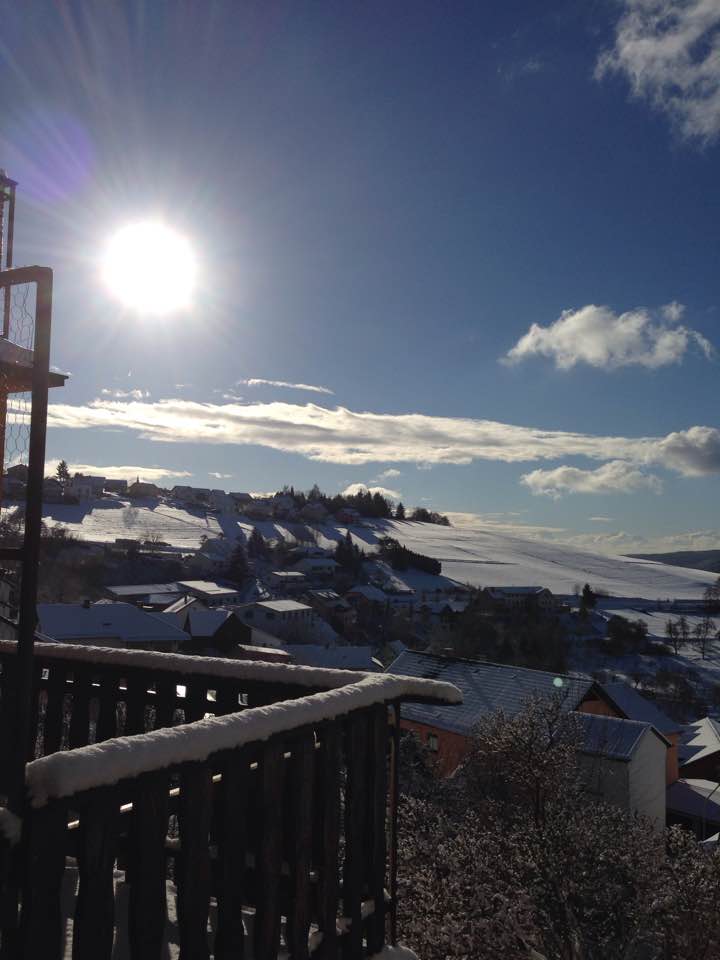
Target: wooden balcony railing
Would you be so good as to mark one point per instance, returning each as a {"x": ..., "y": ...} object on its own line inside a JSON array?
[{"x": 267, "y": 828}]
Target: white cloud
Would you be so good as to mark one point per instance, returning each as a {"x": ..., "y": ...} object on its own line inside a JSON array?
[
  {"x": 601, "y": 338},
  {"x": 339, "y": 435},
  {"x": 389, "y": 474},
  {"x": 601, "y": 519},
  {"x": 221, "y": 476},
  {"x": 617, "y": 476},
  {"x": 126, "y": 394},
  {"x": 126, "y": 472},
  {"x": 669, "y": 52},
  {"x": 694, "y": 452},
  {"x": 308, "y": 387},
  {"x": 354, "y": 488}
]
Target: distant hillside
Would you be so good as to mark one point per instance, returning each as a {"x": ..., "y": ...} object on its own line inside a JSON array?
[{"x": 696, "y": 559}]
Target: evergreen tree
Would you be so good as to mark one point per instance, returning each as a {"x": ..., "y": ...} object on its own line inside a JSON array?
[
  {"x": 257, "y": 547},
  {"x": 400, "y": 511},
  {"x": 238, "y": 569},
  {"x": 62, "y": 472}
]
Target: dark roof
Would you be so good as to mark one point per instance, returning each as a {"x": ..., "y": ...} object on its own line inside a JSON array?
[
  {"x": 612, "y": 737},
  {"x": 486, "y": 688},
  {"x": 637, "y": 707}
]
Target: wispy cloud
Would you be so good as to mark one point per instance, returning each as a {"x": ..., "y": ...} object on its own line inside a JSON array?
[
  {"x": 221, "y": 476},
  {"x": 339, "y": 435},
  {"x": 126, "y": 394},
  {"x": 602, "y": 338},
  {"x": 601, "y": 519},
  {"x": 124, "y": 472},
  {"x": 669, "y": 51},
  {"x": 354, "y": 488},
  {"x": 389, "y": 474},
  {"x": 617, "y": 476},
  {"x": 308, "y": 387}
]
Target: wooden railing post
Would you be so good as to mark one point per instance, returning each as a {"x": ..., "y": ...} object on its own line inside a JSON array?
[
  {"x": 300, "y": 853},
  {"x": 41, "y": 932},
  {"x": 328, "y": 801},
  {"x": 378, "y": 807},
  {"x": 267, "y": 915},
  {"x": 193, "y": 864},
  {"x": 356, "y": 853},
  {"x": 147, "y": 907},
  {"x": 232, "y": 819},
  {"x": 95, "y": 908}
]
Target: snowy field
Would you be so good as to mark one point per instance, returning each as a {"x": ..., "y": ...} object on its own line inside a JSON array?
[
  {"x": 470, "y": 553},
  {"x": 109, "y": 518}
]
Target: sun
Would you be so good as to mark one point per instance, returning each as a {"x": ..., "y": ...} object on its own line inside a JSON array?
[{"x": 150, "y": 268}]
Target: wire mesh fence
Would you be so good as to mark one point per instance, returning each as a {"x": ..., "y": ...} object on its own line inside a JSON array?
[{"x": 18, "y": 301}]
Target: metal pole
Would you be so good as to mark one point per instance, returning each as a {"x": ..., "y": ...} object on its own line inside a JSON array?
[
  {"x": 33, "y": 520},
  {"x": 394, "y": 796}
]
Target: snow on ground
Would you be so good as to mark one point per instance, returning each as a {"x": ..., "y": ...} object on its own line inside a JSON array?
[
  {"x": 482, "y": 557},
  {"x": 104, "y": 520},
  {"x": 469, "y": 552}
]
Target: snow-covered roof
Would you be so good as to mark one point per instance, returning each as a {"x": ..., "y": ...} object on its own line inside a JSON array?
[
  {"x": 69, "y": 772},
  {"x": 695, "y": 798},
  {"x": 637, "y": 707},
  {"x": 486, "y": 688},
  {"x": 283, "y": 606},
  {"x": 699, "y": 740},
  {"x": 289, "y": 574},
  {"x": 143, "y": 589},
  {"x": 368, "y": 591},
  {"x": 515, "y": 591},
  {"x": 208, "y": 587},
  {"x": 262, "y": 638},
  {"x": 121, "y": 622},
  {"x": 612, "y": 737},
  {"x": 341, "y": 657}
]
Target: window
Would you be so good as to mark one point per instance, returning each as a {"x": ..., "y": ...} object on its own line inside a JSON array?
[{"x": 432, "y": 742}]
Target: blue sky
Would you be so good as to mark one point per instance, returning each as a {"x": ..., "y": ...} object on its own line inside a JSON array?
[{"x": 386, "y": 200}]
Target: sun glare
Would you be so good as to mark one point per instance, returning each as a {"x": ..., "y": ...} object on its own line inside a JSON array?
[{"x": 150, "y": 268}]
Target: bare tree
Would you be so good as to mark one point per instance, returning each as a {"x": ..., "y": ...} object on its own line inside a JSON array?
[{"x": 704, "y": 629}]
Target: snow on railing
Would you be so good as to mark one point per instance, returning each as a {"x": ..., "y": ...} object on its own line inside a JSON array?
[
  {"x": 254, "y": 670},
  {"x": 67, "y": 773}
]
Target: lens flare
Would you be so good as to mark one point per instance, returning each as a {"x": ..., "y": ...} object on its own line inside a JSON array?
[{"x": 150, "y": 268}]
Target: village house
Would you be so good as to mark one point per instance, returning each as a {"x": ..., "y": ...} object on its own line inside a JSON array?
[
  {"x": 334, "y": 657},
  {"x": 258, "y": 508},
  {"x": 190, "y": 495},
  {"x": 52, "y": 490},
  {"x": 284, "y": 506},
  {"x": 86, "y": 487},
  {"x": 331, "y": 607},
  {"x": 108, "y": 624},
  {"x": 366, "y": 595},
  {"x": 504, "y": 600},
  {"x": 140, "y": 593},
  {"x": 314, "y": 512},
  {"x": 283, "y": 618},
  {"x": 140, "y": 489},
  {"x": 317, "y": 568},
  {"x": 212, "y": 557},
  {"x": 18, "y": 471},
  {"x": 288, "y": 581},
  {"x": 240, "y": 500},
  {"x": 489, "y": 687},
  {"x": 211, "y": 593},
  {"x": 116, "y": 485},
  {"x": 348, "y": 515}
]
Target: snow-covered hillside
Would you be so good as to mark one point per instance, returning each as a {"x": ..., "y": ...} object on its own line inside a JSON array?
[{"x": 470, "y": 553}]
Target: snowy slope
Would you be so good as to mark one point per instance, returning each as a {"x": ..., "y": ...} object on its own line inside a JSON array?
[
  {"x": 471, "y": 553},
  {"x": 477, "y": 555}
]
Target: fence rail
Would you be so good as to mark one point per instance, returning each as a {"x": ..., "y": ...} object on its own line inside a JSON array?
[{"x": 268, "y": 826}]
